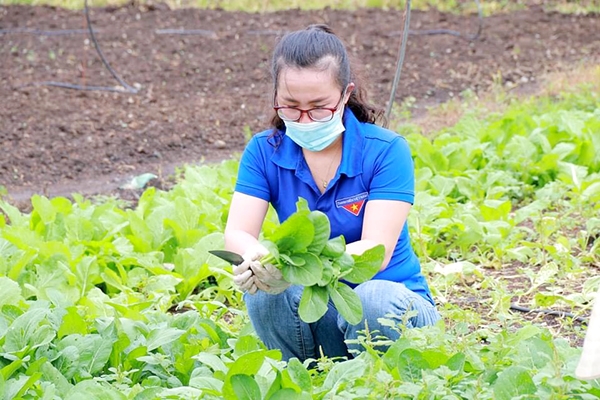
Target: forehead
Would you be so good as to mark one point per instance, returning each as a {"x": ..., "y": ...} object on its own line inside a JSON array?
[{"x": 304, "y": 83}]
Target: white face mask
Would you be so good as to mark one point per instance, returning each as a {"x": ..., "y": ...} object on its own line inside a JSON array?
[{"x": 315, "y": 136}]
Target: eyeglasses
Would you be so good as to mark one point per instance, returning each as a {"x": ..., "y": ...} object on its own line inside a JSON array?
[{"x": 317, "y": 114}]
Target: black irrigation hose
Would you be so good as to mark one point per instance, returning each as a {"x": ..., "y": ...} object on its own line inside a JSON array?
[
  {"x": 574, "y": 317},
  {"x": 128, "y": 89},
  {"x": 40, "y": 32},
  {"x": 64, "y": 85},
  {"x": 401, "y": 54},
  {"x": 406, "y": 32}
]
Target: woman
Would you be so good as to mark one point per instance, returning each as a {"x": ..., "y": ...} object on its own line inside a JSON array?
[{"x": 326, "y": 148}]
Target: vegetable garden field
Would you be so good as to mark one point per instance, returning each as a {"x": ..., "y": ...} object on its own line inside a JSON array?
[{"x": 109, "y": 202}]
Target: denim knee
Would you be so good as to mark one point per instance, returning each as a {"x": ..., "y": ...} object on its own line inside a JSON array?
[
  {"x": 276, "y": 320},
  {"x": 390, "y": 300},
  {"x": 264, "y": 307}
]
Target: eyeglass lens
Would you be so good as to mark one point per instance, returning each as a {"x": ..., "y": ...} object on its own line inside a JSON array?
[{"x": 316, "y": 114}]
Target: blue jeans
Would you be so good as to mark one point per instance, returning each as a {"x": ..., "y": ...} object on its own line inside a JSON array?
[{"x": 275, "y": 318}]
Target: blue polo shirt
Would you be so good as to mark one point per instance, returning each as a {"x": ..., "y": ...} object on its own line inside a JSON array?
[{"x": 376, "y": 165}]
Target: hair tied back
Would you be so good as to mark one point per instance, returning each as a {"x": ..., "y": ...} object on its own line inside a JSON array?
[{"x": 321, "y": 27}]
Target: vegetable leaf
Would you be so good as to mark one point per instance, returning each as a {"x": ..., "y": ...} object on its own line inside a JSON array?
[
  {"x": 295, "y": 234},
  {"x": 366, "y": 265},
  {"x": 245, "y": 387},
  {"x": 322, "y": 231},
  {"x": 313, "y": 304},
  {"x": 347, "y": 302},
  {"x": 334, "y": 247},
  {"x": 307, "y": 274}
]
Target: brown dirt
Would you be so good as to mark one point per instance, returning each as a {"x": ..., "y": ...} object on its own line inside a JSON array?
[{"x": 202, "y": 95}]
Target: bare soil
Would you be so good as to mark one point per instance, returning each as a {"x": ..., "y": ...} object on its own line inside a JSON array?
[{"x": 201, "y": 95}]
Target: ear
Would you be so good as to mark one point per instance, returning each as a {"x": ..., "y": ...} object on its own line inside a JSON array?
[{"x": 349, "y": 89}]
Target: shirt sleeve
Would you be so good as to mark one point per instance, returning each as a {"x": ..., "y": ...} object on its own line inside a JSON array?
[
  {"x": 393, "y": 175},
  {"x": 252, "y": 175}
]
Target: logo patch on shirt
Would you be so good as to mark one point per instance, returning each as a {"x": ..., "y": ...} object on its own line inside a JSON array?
[{"x": 352, "y": 204}]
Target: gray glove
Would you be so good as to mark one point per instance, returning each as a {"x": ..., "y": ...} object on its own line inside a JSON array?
[
  {"x": 251, "y": 275},
  {"x": 243, "y": 277},
  {"x": 268, "y": 278}
]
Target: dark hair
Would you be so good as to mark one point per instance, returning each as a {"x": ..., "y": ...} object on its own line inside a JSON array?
[{"x": 316, "y": 47}]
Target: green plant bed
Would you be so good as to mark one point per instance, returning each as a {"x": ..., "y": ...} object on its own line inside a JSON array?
[
  {"x": 453, "y": 6},
  {"x": 107, "y": 301}
]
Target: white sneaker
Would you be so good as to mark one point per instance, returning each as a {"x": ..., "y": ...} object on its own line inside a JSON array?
[{"x": 589, "y": 363}]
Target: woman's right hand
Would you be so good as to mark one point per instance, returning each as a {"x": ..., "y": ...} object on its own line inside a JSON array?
[
  {"x": 243, "y": 274},
  {"x": 252, "y": 275},
  {"x": 245, "y": 219},
  {"x": 243, "y": 277}
]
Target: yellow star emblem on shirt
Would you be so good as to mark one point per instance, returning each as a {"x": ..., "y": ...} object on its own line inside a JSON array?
[{"x": 354, "y": 207}]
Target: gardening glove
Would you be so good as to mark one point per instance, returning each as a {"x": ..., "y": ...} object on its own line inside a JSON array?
[
  {"x": 268, "y": 278},
  {"x": 243, "y": 276}
]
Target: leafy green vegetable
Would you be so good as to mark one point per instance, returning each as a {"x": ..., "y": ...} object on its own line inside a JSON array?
[{"x": 302, "y": 250}]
